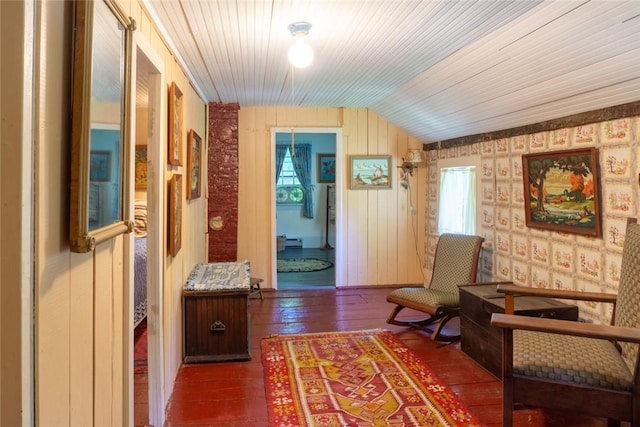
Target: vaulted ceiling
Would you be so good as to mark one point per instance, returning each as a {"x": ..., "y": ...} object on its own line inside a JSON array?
[{"x": 438, "y": 69}]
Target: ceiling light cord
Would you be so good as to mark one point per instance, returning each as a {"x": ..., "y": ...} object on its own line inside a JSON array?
[{"x": 293, "y": 103}]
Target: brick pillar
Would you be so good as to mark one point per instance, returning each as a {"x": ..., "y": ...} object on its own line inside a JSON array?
[{"x": 223, "y": 181}]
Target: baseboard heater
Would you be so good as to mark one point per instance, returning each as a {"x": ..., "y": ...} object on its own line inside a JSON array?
[{"x": 293, "y": 243}]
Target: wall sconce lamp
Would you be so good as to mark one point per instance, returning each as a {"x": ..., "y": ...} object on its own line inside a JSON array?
[
  {"x": 410, "y": 161},
  {"x": 300, "y": 54}
]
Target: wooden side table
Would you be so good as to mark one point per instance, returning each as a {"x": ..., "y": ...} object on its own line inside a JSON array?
[
  {"x": 482, "y": 341},
  {"x": 216, "y": 325},
  {"x": 216, "y": 313}
]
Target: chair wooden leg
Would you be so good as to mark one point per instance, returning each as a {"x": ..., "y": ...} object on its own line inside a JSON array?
[
  {"x": 420, "y": 324},
  {"x": 507, "y": 377},
  {"x": 437, "y": 335},
  {"x": 392, "y": 317}
]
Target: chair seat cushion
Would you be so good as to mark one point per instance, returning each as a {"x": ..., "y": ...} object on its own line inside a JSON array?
[
  {"x": 423, "y": 296},
  {"x": 570, "y": 359}
]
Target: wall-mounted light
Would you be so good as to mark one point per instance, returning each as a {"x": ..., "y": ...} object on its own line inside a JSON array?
[
  {"x": 410, "y": 161},
  {"x": 300, "y": 54}
]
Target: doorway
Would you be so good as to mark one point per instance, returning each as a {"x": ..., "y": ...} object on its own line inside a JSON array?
[
  {"x": 306, "y": 234},
  {"x": 147, "y": 380}
]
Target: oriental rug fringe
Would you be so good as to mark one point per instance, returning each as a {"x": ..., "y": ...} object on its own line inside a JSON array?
[{"x": 363, "y": 378}]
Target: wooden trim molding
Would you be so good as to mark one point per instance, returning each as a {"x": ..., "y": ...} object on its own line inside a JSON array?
[{"x": 610, "y": 113}]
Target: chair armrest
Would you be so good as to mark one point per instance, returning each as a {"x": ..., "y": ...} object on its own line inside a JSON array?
[
  {"x": 566, "y": 327},
  {"x": 511, "y": 289}
]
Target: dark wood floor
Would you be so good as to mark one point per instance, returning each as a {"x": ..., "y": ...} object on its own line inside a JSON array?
[{"x": 232, "y": 394}]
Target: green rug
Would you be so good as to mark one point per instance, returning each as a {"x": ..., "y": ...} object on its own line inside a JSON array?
[{"x": 302, "y": 265}]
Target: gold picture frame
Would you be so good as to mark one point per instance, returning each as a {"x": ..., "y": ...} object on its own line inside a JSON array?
[
  {"x": 175, "y": 214},
  {"x": 99, "y": 185},
  {"x": 175, "y": 125},
  {"x": 194, "y": 165}
]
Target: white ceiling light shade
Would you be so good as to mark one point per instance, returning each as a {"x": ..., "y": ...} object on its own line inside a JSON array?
[{"x": 300, "y": 54}]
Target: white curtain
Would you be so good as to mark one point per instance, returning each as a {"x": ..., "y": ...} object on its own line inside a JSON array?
[{"x": 457, "y": 206}]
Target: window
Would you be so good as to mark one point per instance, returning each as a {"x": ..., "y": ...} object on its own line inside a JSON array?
[
  {"x": 459, "y": 195},
  {"x": 289, "y": 190}
]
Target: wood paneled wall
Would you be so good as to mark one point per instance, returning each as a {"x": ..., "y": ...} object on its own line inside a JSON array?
[
  {"x": 83, "y": 335},
  {"x": 380, "y": 239}
]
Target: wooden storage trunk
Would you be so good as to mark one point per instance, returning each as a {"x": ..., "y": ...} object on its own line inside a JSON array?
[
  {"x": 482, "y": 341},
  {"x": 216, "y": 325}
]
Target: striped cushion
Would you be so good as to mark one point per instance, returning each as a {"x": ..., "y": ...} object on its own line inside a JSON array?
[{"x": 574, "y": 360}]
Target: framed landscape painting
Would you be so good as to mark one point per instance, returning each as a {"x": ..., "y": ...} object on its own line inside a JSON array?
[
  {"x": 369, "y": 172},
  {"x": 562, "y": 191}
]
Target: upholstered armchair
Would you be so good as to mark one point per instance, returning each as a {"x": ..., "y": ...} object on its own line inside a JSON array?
[
  {"x": 574, "y": 366},
  {"x": 455, "y": 263}
]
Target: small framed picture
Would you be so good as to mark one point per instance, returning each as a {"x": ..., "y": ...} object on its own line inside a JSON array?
[
  {"x": 175, "y": 126},
  {"x": 175, "y": 214},
  {"x": 369, "y": 172},
  {"x": 326, "y": 168},
  {"x": 100, "y": 168},
  {"x": 194, "y": 165},
  {"x": 140, "y": 173}
]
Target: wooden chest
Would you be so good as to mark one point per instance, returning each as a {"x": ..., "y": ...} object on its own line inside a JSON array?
[
  {"x": 482, "y": 341},
  {"x": 216, "y": 325}
]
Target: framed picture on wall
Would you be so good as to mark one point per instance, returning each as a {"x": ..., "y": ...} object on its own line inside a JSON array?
[
  {"x": 175, "y": 214},
  {"x": 194, "y": 165},
  {"x": 327, "y": 168},
  {"x": 100, "y": 167},
  {"x": 369, "y": 172},
  {"x": 175, "y": 125},
  {"x": 141, "y": 167},
  {"x": 562, "y": 191}
]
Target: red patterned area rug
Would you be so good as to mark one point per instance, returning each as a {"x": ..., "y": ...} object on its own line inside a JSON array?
[{"x": 363, "y": 378}]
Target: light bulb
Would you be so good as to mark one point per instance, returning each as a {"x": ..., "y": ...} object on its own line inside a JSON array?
[{"x": 300, "y": 54}]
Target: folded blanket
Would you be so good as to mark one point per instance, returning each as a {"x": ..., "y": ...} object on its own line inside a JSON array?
[{"x": 219, "y": 276}]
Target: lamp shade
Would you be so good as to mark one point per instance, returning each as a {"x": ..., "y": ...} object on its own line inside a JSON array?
[
  {"x": 414, "y": 155},
  {"x": 300, "y": 54}
]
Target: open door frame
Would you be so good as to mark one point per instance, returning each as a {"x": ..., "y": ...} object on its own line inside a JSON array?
[
  {"x": 340, "y": 164},
  {"x": 155, "y": 245}
]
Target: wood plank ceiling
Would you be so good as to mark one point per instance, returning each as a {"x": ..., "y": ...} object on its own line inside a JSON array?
[{"x": 438, "y": 69}]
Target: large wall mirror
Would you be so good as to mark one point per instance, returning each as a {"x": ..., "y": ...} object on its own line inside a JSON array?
[{"x": 100, "y": 132}]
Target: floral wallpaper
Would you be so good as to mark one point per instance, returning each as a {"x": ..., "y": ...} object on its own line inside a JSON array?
[{"x": 541, "y": 258}]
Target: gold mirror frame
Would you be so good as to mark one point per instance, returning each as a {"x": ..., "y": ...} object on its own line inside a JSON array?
[{"x": 95, "y": 169}]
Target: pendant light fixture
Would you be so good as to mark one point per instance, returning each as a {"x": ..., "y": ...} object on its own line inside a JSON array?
[{"x": 300, "y": 54}]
